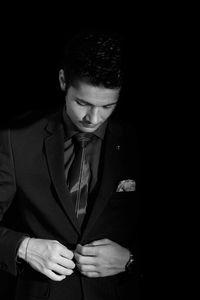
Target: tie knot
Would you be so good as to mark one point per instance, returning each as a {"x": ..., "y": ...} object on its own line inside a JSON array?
[{"x": 82, "y": 139}]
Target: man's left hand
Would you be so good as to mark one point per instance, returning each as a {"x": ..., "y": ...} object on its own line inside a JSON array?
[{"x": 101, "y": 258}]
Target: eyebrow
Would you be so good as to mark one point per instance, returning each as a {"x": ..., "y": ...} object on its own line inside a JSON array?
[{"x": 81, "y": 100}]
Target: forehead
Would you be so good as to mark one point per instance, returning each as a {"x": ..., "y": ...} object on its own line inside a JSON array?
[{"x": 96, "y": 95}]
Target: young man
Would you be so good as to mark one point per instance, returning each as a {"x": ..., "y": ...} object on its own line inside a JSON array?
[{"x": 72, "y": 177}]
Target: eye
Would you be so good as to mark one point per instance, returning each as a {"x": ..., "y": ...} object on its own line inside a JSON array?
[
  {"x": 109, "y": 106},
  {"x": 80, "y": 103}
]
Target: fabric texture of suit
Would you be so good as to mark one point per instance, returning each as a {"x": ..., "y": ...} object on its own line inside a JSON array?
[{"x": 32, "y": 180}]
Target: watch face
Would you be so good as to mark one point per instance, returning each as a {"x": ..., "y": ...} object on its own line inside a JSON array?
[{"x": 131, "y": 263}]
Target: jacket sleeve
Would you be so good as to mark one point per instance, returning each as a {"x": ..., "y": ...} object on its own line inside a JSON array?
[{"x": 9, "y": 239}]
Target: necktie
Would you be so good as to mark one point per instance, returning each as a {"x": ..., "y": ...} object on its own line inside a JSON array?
[{"x": 79, "y": 175}]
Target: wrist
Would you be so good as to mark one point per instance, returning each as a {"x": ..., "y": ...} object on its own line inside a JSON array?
[{"x": 22, "y": 250}]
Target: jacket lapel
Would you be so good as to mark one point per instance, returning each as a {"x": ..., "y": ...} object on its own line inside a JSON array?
[
  {"x": 110, "y": 173},
  {"x": 54, "y": 146}
]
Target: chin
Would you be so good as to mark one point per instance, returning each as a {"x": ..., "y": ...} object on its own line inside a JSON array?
[{"x": 85, "y": 129}]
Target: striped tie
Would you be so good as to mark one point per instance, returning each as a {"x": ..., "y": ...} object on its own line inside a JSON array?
[{"x": 79, "y": 175}]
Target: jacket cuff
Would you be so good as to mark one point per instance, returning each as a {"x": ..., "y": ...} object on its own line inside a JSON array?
[{"x": 9, "y": 243}]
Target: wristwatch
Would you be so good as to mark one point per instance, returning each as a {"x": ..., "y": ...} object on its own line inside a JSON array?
[{"x": 130, "y": 264}]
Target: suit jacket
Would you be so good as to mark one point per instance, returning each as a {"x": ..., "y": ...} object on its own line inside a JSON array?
[{"x": 32, "y": 181}]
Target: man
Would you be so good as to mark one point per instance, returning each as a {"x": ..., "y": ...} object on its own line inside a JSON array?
[{"x": 72, "y": 177}]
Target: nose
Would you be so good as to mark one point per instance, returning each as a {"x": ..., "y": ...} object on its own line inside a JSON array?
[{"x": 93, "y": 115}]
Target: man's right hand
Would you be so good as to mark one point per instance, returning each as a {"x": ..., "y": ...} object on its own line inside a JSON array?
[{"x": 48, "y": 257}]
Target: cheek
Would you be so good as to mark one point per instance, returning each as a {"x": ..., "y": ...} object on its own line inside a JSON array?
[
  {"x": 75, "y": 112},
  {"x": 106, "y": 113}
]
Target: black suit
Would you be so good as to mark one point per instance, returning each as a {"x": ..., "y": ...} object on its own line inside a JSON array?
[{"x": 32, "y": 173}]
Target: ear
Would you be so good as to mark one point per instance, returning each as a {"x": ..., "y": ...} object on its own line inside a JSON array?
[{"x": 62, "y": 80}]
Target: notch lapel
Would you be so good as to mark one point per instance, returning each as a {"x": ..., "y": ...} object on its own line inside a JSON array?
[{"x": 54, "y": 146}]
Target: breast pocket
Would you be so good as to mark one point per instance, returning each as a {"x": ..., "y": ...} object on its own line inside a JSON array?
[{"x": 122, "y": 197}]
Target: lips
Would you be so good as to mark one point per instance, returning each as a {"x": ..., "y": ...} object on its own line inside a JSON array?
[{"x": 89, "y": 125}]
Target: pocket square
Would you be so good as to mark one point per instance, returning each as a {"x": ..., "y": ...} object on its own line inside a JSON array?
[{"x": 127, "y": 185}]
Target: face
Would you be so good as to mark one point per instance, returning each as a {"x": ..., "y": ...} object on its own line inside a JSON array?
[{"x": 89, "y": 106}]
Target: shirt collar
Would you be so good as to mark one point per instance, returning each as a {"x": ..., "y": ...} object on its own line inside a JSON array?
[{"x": 71, "y": 130}]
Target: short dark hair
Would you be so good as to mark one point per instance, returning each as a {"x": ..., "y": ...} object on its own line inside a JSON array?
[{"x": 95, "y": 57}]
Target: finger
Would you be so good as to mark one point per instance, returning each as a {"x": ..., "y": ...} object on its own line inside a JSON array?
[
  {"x": 87, "y": 268},
  {"x": 61, "y": 270},
  {"x": 86, "y": 260},
  {"x": 66, "y": 263},
  {"x": 64, "y": 251},
  {"x": 91, "y": 274},
  {"x": 86, "y": 250},
  {"x": 54, "y": 276},
  {"x": 99, "y": 242}
]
